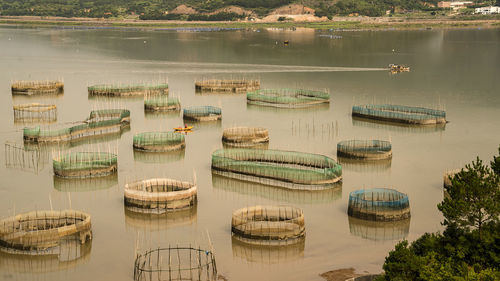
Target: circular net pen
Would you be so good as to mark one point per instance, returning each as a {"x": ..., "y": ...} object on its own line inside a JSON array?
[
  {"x": 400, "y": 114},
  {"x": 365, "y": 149},
  {"x": 128, "y": 90},
  {"x": 202, "y": 113},
  {"x": 379, "y": 204},
  {"x": 226, "y": 86},
  {"x": 161, "y": 104},
  {"x": 35, "y": 112},
  {"x": 288, "y": 169},
  {"x": 245, "y": 137},
  {"x": 268, "y": 225},
  {"x": 160, "y": 195},
  {"x": 159, "y": 141},
  {"x": 29, "y": 88},
  {"x": 175, "y": 263},
  {"x": 77, "y": 165},
  {"x": 287, "y": 98},
  {"x": 43, "y": 232}
]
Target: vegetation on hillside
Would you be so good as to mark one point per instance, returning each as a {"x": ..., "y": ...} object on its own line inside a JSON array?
[{"x": 469, "y": 248}]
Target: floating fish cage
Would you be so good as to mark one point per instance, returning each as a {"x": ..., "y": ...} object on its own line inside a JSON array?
[
  {"x": 379, "y": 230},
  {"x": 268, "y": 254},
  {"x": 288, "y": 169},
  {"x": 99, "y": 123},
  {"x": 202, "y": 113},
  {"x": 78, "y": 165},
  {"x": 128, "y": 90},
  {"x": 365, "y": 149},
  {"x": 234, "y": 189},
  {"x": 160, "y": 195},
  {"x": 400, "y": 114},
  {"x": 86, "y": 184},
  {"x": 379, "y": 204},
  {"x": 268, "y": 225},
  {"x": 175, "y": 263},
  {"x": 29, "y": 88},
  {"x": 41, "y": 232},
  {"x": 150, "y": 222},
  {"x": 226, "y": 86},
  {"x": 158, "y": 103},
  {"x": 287, "y": 98},
  {"x": 245, "y": 137},
  {"x": 159, "y": 141},
  {"x": 35, "y": 112}
]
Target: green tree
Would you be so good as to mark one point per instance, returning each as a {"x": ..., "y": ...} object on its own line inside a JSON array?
[
  {"x": 473, "y": 198},
  {"x": 495, "y": 164}
]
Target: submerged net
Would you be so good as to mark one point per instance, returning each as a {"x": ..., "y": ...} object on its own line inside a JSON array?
[
  {"x": 379, "y": 204},
  {"x": 159, "y": 195},
  {"x": 245, "y": 136},
  {"x": 161, "y": 103},
  {"x": 35, "y": 112},
  {"x": 37, "y": 87},
  {"x": 159, "y": 141},
  {"x": 126, "y": 90},
  {"x": 287, "y": 98},
  {"x": 400, "y": 113},
  {"x": 175, "y": 263},
  {"x": 268, "y": 225},
  {"x": 233, "y": 86},
  {"x": 39, "y": 231},
  {"x": 85, "y": 164},
  {"x": 365, "y": 149},
  {"x": 100, "y": 122},
  {"x": 296, "y": 170},
  {"x": 202, "y": 113}
]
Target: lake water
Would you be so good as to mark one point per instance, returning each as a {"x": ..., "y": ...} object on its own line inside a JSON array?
[{"x": 457, "y": 70}]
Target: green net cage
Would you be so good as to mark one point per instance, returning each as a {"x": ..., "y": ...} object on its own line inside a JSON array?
[
  {"x": 287, "y": 98},
  {"x": 289, "y": 169},
  {"x": 162, "y": 103},
  {"x": 159, "y": 141},
  {"x": 365, "y": 149},
  {"x": 202, "y": 113},
  {"x": 85, "y": 164},
  {"x": 227, "y": 85},
  {"x": 379, "y": 204},
  {"x": 400, "y": 114},
  {"x": 125, "y": 90}
]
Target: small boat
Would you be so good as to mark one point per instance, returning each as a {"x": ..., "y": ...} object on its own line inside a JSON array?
[
  {"x": 184, "y": 129},
  {"x": 396, "y": 68}
]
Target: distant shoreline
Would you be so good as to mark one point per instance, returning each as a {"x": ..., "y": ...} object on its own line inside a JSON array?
[{"x": 338, "y": 23}]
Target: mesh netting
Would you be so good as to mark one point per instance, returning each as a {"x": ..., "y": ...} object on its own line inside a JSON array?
[
  {"x": 379, "y": 204},
  {"x": 38, "y": 231},
  {"x": 202, "y": 113},
  {"x": 175, "y": 263},
  {"x": 291, "y": 98},
  {"x": 85, "y": 164},
  {"x": 245, "y": 136},
  {"x": 128, "y": 90},
  {"x": 161, "y": 103},
  {"x": 365, "y": 149},
  {"x": 37, "y": 87},
  {"x": 232, "y": 86},
  {"x": 400, "y": 113},
  {"x": 271, "y": 225},
  {"x": 100, "y": 122},
  {"x": 159, "y": 195},
  {"x": 296, "y": 170},
  {"x": 35, "y": 112},
  {"x": 159, "y": 141}
]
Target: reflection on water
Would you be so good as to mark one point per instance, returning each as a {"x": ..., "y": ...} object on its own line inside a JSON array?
[
  {"x": 309, "y": 109},
  {"x": 70, "y": 253},
  {"x": 84, "y": 185},
  {"x": 268, "y": 254},
  {"x": 397, "y": 127},
  {"x": 205, "y": 124},
  {"x": 158, "y": 222},
  {"x": 53, "y": 147},
  {"x": 160, "y": 115},
  {"x": 379, "y": 231},
  {"x": 234, "y": 188},
  {"x": 362, "y": 166},
  {"x": 159, "y": 157},
  {"x": 26, "y": 158}
]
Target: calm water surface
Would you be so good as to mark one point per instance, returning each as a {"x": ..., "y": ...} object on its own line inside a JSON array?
[{"x": 453, "y": 69}]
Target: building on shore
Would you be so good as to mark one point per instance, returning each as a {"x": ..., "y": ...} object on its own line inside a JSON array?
[{"x": 487, "y": 10}]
